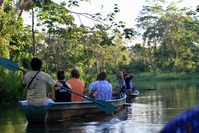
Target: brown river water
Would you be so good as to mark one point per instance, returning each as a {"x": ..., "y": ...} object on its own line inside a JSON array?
[{"x": 156, "y": 104}]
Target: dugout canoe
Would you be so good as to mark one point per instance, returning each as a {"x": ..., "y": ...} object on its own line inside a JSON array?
[
  {"x": 133, "y": 95},
  {"x": 61, "y": 111}
]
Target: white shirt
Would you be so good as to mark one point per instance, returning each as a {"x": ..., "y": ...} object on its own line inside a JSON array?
[{"x": 36, "y": 94}]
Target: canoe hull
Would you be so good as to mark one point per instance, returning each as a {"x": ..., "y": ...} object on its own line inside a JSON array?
[
  {"x": 62, "y": 111},
  {"x": 33, "y": 113},
  {"x": 132, "y": 95}
]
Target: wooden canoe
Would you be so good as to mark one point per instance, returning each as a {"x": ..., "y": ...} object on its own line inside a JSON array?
[
  {"x": 133, "y": 95},
  {"x": 61, "y": 111}
]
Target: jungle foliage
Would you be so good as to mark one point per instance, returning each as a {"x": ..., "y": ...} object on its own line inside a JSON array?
[{"x": 170, "y": 40}]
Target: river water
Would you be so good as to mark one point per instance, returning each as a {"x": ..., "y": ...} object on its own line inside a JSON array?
[{"x": 156, "y": 104}]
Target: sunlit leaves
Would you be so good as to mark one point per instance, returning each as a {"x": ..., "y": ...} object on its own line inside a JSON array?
[
  {"x": 14, "y": 36},
  {"x": 168, "y": 31}
]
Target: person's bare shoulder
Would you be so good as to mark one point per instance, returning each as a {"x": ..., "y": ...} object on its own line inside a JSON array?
[{"x": 68, "y": 85}]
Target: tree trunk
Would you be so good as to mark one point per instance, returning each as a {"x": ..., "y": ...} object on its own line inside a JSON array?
[
  {"x": 33, "y": 33},
  {"x": 20, "y": 13},
  {"x": 17, "y": 8},
  {"x": 115, "y": 64},
  {"x": 104, "y": 63},
  {"x": 97, "y": 63},
  {"x": 1, "y": 4}
]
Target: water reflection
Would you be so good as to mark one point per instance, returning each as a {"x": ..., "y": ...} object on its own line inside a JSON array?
[
  {"x": 147, "y": 114},
  {"x": 100, "y": 123},
  {"x": 36, "y": 128},
  {"x": 136, "y": 118}
]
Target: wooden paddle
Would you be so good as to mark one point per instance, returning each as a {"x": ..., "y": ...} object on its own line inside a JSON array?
[{"x": 100, "y": 104}]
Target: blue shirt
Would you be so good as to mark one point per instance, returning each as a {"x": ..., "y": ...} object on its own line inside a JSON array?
[
  {"x": 122, "y": 85},
  {"x": 90, "y": 87},
  {"x": 186, "y": 122},
  {"x": 103, "y": 90}
]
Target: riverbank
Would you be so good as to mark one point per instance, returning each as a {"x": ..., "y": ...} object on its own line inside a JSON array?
[
  {"x": 160, "y": 77},
  {"x": 165, "y": 76},
  {"x": 11, "y": 88}
]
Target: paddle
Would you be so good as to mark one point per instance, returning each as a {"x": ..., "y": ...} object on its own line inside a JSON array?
[
  {"x": 100, "y": 104},
  {"x": 9, "y": 64},
  {"x": 147, "y": 89}
]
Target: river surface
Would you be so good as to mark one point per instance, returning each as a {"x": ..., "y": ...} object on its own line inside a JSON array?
[{"x": 156, "y": 104}]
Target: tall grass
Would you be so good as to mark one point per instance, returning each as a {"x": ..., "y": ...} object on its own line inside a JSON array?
[
  {"x": 11, "y": 89},
  {"x": 165, "y": 76}
]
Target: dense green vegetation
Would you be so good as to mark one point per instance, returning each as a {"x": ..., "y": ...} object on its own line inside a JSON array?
[{"x": 169, "y": 49}]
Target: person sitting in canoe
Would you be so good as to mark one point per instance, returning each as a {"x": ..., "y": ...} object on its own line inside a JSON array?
[
  {"x": 121, "y": 86},
  {"x": 77, "y": 85},
  {"x": 129, "y": 84},
  {"x": 61, "y": 94},
  {"x": 90, "y": 87},
  {"x": 35, "y": 82},
  {"x": 102, "y": 89}
]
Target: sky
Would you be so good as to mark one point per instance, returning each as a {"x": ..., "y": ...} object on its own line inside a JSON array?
[{"x": 129, "y": 9}]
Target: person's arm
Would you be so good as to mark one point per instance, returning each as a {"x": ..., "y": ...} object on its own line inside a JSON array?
[
  {"x": 92, "y": 91},
  {"x": 53, "y": 93},
  {"x": 56, "y": 87},
  {"x": 68, "y": 85},
  {"x": 131, "y": 76},
  {"x": 91, "y": 94},
  {"x": 23, "y": 82},
  {"x": 117, "y": 92},
  {"x": 52, "y": 83}
]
